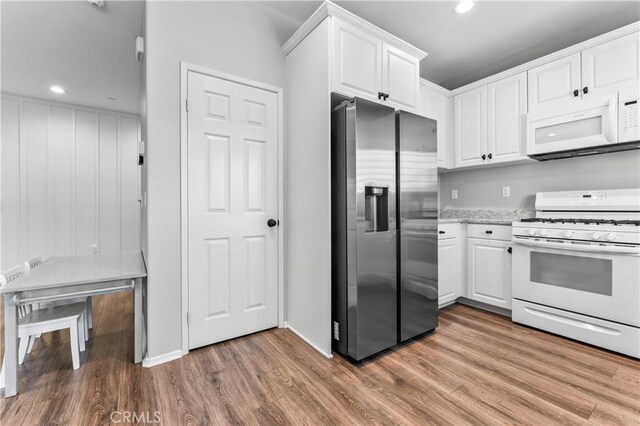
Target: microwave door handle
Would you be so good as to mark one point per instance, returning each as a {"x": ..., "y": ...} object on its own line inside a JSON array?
[
  {"x": 611, "y": 121},
  {"x": 577, "y": 247}
]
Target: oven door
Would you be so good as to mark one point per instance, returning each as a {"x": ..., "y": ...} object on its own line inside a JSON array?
[{"x": 599, "y": 280}]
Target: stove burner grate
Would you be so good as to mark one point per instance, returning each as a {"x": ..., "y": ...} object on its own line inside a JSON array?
[{"x": 581, "y": 221}]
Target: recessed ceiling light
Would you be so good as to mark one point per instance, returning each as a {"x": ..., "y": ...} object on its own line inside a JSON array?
[
  {"x": 463, "y": 7},
  {"x": 57, "y": 89}
]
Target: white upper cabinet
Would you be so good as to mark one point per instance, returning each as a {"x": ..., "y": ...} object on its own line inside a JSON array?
[
  {"x": 400, "y": 77},
  {"x": 357, "y": 69},
  {"x": 555, "y": 83},
  {"x": 507, "y": 113},
  {"x": 611, "y": 66},
  {"x": 600, "y": 70},
  {"x": 365, "y": 65},
  {"x": 438, "y": 106},
  {"x": 471, "y": 127}
]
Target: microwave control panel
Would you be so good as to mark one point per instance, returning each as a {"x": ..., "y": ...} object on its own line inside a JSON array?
[{"x": 628, "y": 129}]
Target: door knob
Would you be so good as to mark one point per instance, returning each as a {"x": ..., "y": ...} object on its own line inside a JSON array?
[{"x": 272, "y": 222}]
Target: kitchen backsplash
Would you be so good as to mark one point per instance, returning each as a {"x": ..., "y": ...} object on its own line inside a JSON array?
[{"x": 482, "y": 188}]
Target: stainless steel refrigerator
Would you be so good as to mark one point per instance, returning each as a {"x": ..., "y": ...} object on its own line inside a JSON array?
[{"x": 384, "y": 227}]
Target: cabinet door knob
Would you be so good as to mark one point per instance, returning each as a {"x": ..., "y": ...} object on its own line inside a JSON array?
[
  {"x": 380, "y": 95},
  {"x": 386, "y": 96},
  {"x": 440, "y": 232},
  {"x": 484, "y": 157},
  {"x": 585, "y": 90},
  {"x": 490, "y": 156},
  {"x": 488, "y": 232},
  {"x": 576, "y": 93},
  {"x": 509, "y": 250}
]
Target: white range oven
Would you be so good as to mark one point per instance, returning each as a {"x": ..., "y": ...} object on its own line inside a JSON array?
[{"x": 576, "y": 267}]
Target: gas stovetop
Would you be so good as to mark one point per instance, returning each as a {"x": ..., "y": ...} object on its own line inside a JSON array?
[
  {"x": 600, "y": 217},
  {"x": 580, "y": 221}
]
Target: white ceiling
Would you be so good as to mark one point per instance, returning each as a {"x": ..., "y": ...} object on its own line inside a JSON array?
[
  {"x": 492, "y": 37},
  {"x": 88, "y": 51}
]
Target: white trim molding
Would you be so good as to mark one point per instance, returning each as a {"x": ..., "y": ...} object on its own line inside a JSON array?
[
  {"x": 308, "y": 342},
  {"x": 327, "y": 9},
  {"x": 185, "y": 68},
  {"x": 435, "y": 87},
  {"x": 149, "y": 362}
]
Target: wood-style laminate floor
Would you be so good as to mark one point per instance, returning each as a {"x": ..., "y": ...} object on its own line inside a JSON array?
[{"x": 478, "y": 368}]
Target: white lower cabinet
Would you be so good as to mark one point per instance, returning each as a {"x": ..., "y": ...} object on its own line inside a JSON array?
[
  {"x": 449, "y": 263},
  {"x": 489, "y": 265}
]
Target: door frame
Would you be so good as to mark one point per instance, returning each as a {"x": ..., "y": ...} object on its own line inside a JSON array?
[{"x": 185, "y": 68}]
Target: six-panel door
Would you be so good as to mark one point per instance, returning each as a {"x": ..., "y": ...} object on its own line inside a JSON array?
[{"x": 232, "y": 193}]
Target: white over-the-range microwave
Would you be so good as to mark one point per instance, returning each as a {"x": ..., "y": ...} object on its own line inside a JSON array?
[{"x": 590, "y": 126}]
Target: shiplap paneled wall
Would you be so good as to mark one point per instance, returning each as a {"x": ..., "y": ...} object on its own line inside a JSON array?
[{"x": 69, "y": 180}]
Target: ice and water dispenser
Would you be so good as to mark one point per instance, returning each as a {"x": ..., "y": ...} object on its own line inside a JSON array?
[{"x": 376, "y": 208}]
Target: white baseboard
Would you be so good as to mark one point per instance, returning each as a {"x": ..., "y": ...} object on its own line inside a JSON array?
[
  {"x": 161, "y": 359},
  {"x": 297, "y": 333}
]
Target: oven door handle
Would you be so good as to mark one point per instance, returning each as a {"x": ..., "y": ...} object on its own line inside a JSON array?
[{"x": 591, "y": 248}]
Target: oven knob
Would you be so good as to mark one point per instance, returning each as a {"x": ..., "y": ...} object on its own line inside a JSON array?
[
  {"x": 595, "y": 235},
  {"x": 532, "y": 232},
  {"x": 611, "y": 236},
  {"x": 542, "y": 233},
  {"x": 568, "y": 234}
]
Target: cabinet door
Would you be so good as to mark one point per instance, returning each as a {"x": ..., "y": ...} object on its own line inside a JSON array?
[
  {"x": 357, "y": 64},
  {"x": 400, "y": 78},
  {"x": 507, "y": 113},
  {"x": 611, "y": 66},
  {"x": 471, "y": 127},
  {"x": 449, "y": 270},
  {"x": 489, "y": 272},
  {"x": 437, "y": 106},
  {"x": 554, "y": 83}
]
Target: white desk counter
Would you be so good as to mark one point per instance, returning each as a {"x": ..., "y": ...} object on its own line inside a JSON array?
[{"x": 67, "y": 277}]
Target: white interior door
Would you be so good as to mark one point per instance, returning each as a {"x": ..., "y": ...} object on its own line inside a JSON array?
[{"x": 232, "y": 193}]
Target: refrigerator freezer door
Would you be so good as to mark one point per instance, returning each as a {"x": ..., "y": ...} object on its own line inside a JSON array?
[
  {"x": 372, "y": 297},
  {"x": 418, "y": 220}
]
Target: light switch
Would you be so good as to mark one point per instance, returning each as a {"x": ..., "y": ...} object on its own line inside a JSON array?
[
  {"x": 506, "y": 191},
  {"x": 454, "y": 194}
]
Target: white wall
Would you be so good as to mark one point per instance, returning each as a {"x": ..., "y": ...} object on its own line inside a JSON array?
[
  {"x": 482, "y": 188},
  {"x": 232, "y": 37},
  {"x": 69, "y": 180},
  {"x": 308, "y": 207}
]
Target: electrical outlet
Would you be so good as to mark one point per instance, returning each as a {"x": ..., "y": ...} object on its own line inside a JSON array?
[
  {"x": 506, "y": 191},
  {"x": 454, "y": 194}
]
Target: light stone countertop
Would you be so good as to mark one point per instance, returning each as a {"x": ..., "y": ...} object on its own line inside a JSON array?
[{"x": 493, "y": 217}]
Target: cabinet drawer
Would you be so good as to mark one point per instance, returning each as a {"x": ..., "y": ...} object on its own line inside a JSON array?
[
  {"x": 489, "y": 232},
  {"x": 448, "y": 230}
]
